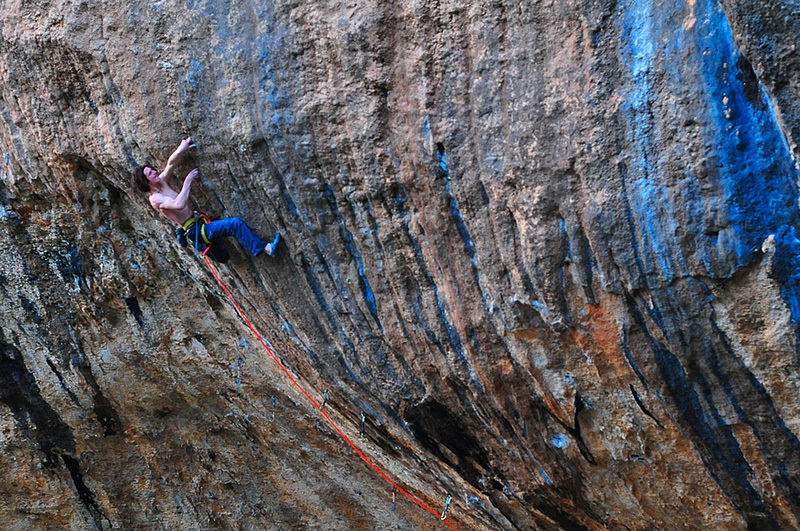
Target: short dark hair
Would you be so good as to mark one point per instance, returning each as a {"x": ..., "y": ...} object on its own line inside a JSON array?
[{"x": 139, "y": 179}]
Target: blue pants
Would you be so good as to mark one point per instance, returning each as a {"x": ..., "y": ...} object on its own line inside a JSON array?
[{"x": 235, "y": 227}]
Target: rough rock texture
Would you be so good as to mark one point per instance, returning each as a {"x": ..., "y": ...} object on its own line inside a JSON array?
[{"x": 547, "y": 248}]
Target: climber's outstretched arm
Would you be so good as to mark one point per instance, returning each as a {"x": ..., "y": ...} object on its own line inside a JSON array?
[
  {"x": 176, "y": 157},
  {"x": 165, "y": 201}
]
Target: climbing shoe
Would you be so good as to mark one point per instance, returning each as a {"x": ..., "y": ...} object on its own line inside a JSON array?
[{"x": 272, "y": 247}]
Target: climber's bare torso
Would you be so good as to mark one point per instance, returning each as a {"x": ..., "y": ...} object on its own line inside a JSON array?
[{"x": 174, "y": 205}]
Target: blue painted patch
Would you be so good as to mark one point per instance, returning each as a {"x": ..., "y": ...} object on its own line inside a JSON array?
[
  {"x": 272, "y": 83},
  {"x": 195, "y": 74},
  {"x": 376, "y": 231},
  {"x": 545, "y": 476},
  {"x": 366, "y": 288},
  {"x": 442, "y": 157},
  {"x": 750, "y": 158},
  {"x": 427, "y": 136},
  {"x": 463, "y": 231},
  {"x": 541, "y": 308},
  {"x": 757, "y": 169}
]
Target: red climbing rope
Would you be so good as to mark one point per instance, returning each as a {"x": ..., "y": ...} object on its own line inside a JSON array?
[{"x": 316, "y": 405}]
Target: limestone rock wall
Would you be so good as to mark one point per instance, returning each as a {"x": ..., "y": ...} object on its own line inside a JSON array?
[{"x": 547, "y": 249}]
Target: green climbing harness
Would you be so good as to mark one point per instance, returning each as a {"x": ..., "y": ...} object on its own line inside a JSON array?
[{"x": 198, "y": 221}]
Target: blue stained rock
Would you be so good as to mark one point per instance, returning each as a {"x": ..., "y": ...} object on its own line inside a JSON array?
[{"x": 745, "y": 155}]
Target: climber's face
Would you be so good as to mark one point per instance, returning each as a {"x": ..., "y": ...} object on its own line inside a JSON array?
[{"x": 151, "y": 174}]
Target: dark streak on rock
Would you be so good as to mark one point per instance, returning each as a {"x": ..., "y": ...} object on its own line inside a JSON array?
[
  {"x": 63, "y": 382},
  {"x": 103, "y": 409},
  {"x": 350, "y": 244},
  {"x": 85, "y": 494},
  {"x": 35, "y": 417},
  {"x": 136, "y": 311},
  {"x": 440, "y": 432},
  {"x": 31, "y": 310},
  {"x": 641, "y": 405},
  {"x": 580, "y": 405},
  {"x": 452, "y": 334},
  {"x": 691, "y": 393}
]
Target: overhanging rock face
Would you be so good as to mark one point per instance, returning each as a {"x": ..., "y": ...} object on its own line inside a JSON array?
[{"x": 543, "y": 257}]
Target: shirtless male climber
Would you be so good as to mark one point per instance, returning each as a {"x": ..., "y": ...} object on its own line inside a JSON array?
[{"x": 175, "y": 207}]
